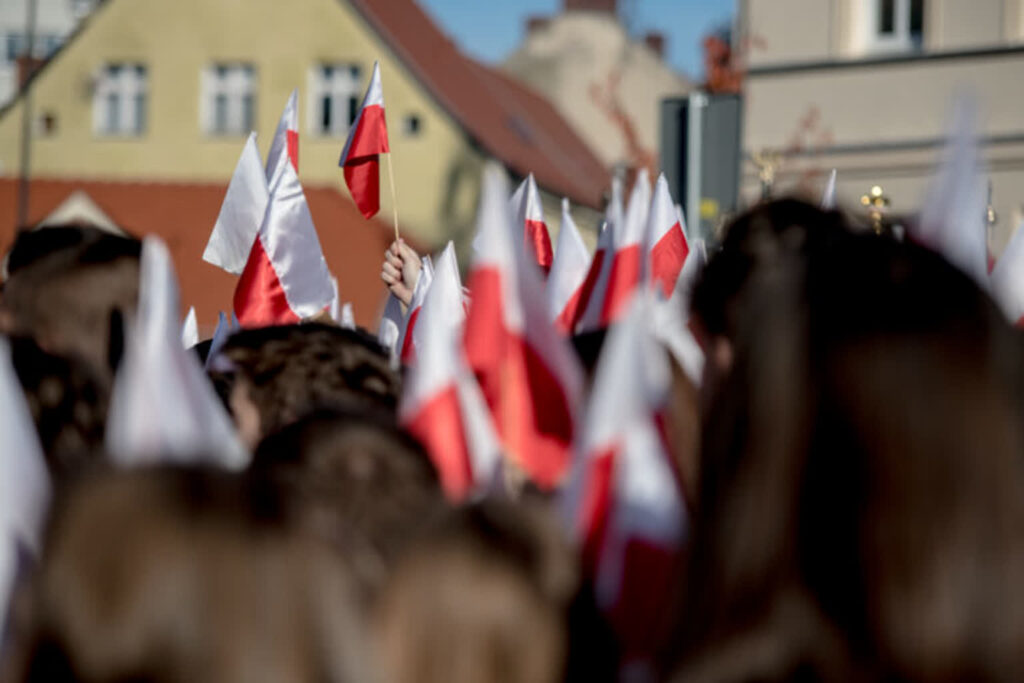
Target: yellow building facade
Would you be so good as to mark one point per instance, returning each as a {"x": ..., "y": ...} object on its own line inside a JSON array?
[{"x": 283, "y": 45}]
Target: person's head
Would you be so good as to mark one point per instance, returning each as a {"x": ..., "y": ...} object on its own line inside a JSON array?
[
  {"x": 73, "y": 296},
  {"x": 485, "y": 597},
  {"x": 67, "y": 402},
  {"x": 355, "y": 480},
  {"x": 281, "y": 373},
  {"x": 861, "y": 487},
  {"x": 173, "y": 576},
  {"x": 759, "y": 240}
]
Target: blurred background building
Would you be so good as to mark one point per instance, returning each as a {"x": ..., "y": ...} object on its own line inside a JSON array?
[
  {"x": 607, "y": 83},
  {"x": 864, "y": 86},
  {"x": 142, "y": 113}
]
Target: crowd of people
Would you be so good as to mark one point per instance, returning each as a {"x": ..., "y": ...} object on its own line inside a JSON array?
[{"x": 850, "y": 460}]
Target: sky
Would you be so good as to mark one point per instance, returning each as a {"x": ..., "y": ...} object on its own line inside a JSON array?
[{"x": 490, "y": 30}]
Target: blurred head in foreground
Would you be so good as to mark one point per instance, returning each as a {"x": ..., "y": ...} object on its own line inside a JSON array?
[
  {"x": 71, "y": 288},
  {"x": 354, "y": 479},
  {"x": 179, "y": 575},
  {"x": 484, "y": 597},
  {"x": 860, "y": 509},
  {"x": 278, "y": 374}
]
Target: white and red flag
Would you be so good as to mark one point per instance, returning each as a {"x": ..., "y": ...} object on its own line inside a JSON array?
[
  {"x": 406, "y": 340},
  {"x": 624, "y": 502},
  {"x": 1008, "y": 278},
  {"x": 285, "y": 278},
  {"x": 285, "y": 144},
  {"x": 621, "y": 267},
  {"x": 597, "y": 275},
  {"x": 665, "y": 238},
  {"x": 528, "y": 214},
  {"x": 367, "y": 140},
  {"x": 241, "y": 213},
  {"x": 568, "y": 273},
  {"x": 441, "y": 403},
  {"x": 527, "y": 372}
]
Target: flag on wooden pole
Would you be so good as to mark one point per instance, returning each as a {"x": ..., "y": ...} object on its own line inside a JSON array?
[{"x": 367, "y": 140}]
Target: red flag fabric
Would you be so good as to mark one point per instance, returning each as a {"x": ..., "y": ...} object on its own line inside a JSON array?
[
  {"x": 667, "y": 247},
  {"x": 528, "y": 212},
  {"x": 367, "y": 140},
  {"x": 568, "y": 274},
  {"x": 528, "y": 374}
]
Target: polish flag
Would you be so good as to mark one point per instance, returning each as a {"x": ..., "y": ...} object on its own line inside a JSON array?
[
  {"x": 568, "y": 273},
  {"x": 367, "y": 139},
  {"x": 667, "y": 248},
  {"x": 622, "y": 267},
  {"x": 529, "y": 375},
  {"x": 285, "y": 144},
  {"x": 241, "y": 213},
  {"x": 528, "y": 212},
  {"x": 623, "y": 500},
  {"x": 1008, "y": 278},
  {"x": 597, "y": 275},
  {"x": 406, "y": 340},
  {"x": 286, "y": 278},
  {"x": 441, "y": 403}
]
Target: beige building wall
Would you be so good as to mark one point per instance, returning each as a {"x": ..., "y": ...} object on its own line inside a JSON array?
[
  {"x": 880, "y": 116},
  {"x": 579, "y": 55},
  {"x": 436, "y": 172}
]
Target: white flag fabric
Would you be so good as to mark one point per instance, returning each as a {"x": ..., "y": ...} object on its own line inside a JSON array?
[
  {"x": 220, "y": 337},
  {"x": 348, "y": 318},
  {"x": 828, "y": 198},
  {"x": 190, "y": 329},
  {"x": 162, "y": 407},
  {"x": 390, "y": 329},
  {"x": 528, "y": 224},
  {"x": 952, "y": 219},
  {"x": 1008, "y": 278},
  {"x": 241, "y": 213},
  {"x": 568, "y": 273},
  {"x": 406, "y": 336},
  {"x": 25, "y": 488},
  {"x": 285, "y": 144},
  {"x": 665, "y": 244}
]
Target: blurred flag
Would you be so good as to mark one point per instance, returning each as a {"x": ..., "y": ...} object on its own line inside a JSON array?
[
  {"x": 441, "y": 404},
  {"x": 367, "y": 139},
  {"x": 623, "y": 500},
  {"x": 389, "y": 331},
  {"x": 596, "y": 281},
  {"x": 419, "y": 293},
  {"x": 528, "y": 213},
  {"x": 666, "y": 245},
  {"x": 190, "y": 329},
  {"x": 162, "y": 407},
  {"x": 1008, "y": 278},
  {"x": 25, "y": 489},
  {"x": 568, "y": 273},
  {"x": 285, "y": 144},
  {"x": 241, "y": 213},
  {"x": 220, "y": 337},
  {"x": 285, "y": 279},
  {"x": 348, "y": 318},
  {"x": 952, "y": 219},
  {"x": 529, "y": 375},
  {"x": 828, "y": 198},
  {"x": 621, "y": 267}
]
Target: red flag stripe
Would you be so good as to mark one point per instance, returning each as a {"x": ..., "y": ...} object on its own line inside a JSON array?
[
  {"x": 437, "y": 423},
  {"x": 564, "y": 321},
  {"x": 667, "y": 258},
  {"x": 538, "y": 241},
  {"x": 408, "y": 354},
  {"x": 589, "y": 285},
  {"x": 292, "y": 137},
  {"x": 622, "y": 282},
  {"x": 259, "y": 298}
]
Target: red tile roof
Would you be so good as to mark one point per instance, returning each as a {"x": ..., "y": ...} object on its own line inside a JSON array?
[
  {"x": 510, "y": 122},
  {"x": 184, "y": 214}
]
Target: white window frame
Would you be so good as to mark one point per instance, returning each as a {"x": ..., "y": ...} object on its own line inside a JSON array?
[
  {"x": 238, "y": 81},
  {"x": 130, "y": 83},
  {"x": 342, "y": 86},
  {"x": 900, "y": 39}
]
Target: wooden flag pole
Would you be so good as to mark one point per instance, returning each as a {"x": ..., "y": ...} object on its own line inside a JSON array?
[{"x": 394, "y": 199}]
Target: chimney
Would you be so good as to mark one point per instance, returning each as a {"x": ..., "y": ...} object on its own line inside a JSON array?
[
  {"x": 26, "y": 67},
  {"x": 535, "y": 23},
  {"x": 592, "y": 5},
  {"x": 656, "y": 41}
]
